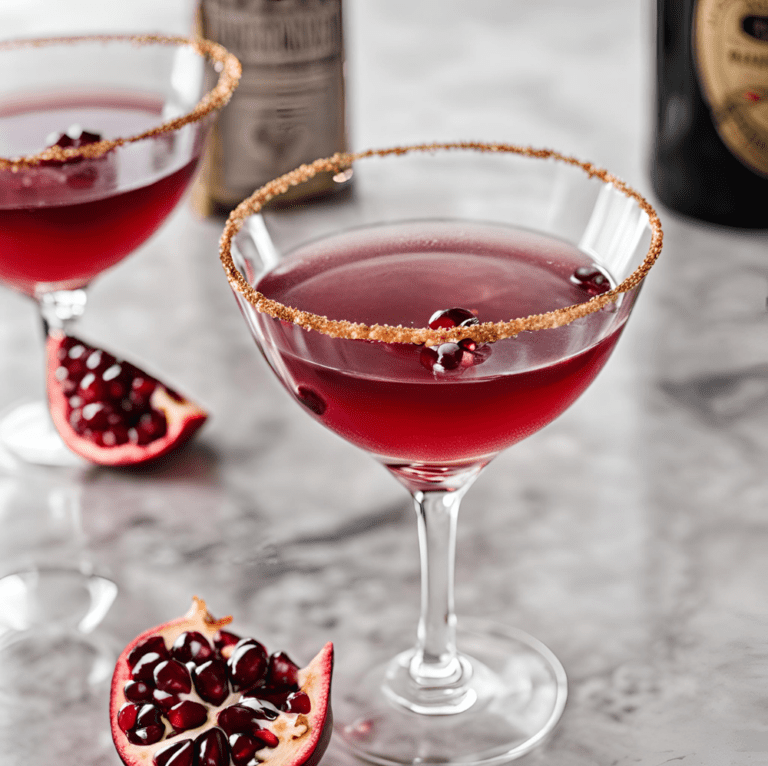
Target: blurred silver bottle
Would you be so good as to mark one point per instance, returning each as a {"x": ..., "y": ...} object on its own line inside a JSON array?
[{"x": 290, "y": 106}]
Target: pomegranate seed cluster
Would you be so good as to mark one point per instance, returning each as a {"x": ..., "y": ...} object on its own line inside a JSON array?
[
  {"x": 448, "y": 357},
  {"x": 109, "y": 400},
  {"x": 174, "y": 690},
  {"x": 75, "y": 137}
]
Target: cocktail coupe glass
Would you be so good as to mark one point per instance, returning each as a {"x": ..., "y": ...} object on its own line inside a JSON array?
[
  {"x": 49, "y": 589},
  {"x": 55, "y": 657},
  {"x": 532, "y": 262},
  {"x": 99, "y": 138}
]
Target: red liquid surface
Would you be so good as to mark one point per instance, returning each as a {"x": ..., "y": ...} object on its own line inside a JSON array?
[
  {"x": 379, "y": 396},
  {"x": 60, "y": 226}
]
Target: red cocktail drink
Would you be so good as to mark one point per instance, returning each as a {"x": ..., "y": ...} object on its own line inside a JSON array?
[
  {"x": 395, "y": 400},
  {"x": 62, "y": 224},
  {"x": 99, "y": 138}
]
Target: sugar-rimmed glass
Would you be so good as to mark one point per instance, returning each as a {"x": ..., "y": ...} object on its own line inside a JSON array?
[
  {"x": 99, "y": 138},
  {"x": 338, "y": 297}
]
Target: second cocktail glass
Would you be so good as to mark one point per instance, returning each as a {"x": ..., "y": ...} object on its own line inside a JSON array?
[
  {"x": 99, "y": 138},
  {"x": 462, "y": 299}
]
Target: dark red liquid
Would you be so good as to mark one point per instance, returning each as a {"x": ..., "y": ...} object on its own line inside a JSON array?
[
  {"x": 380, "y": 396},
  {"x": 61, "y": 226}
]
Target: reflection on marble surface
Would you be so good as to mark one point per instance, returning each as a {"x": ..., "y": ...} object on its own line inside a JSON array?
[{"x": 630, "y": 535}]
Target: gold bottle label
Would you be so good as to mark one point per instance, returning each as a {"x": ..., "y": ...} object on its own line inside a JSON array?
[
  {"x": 730, "y": 47},
  {"x": 290, "y": 105}
]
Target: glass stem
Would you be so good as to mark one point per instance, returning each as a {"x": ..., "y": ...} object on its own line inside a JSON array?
[
  {"x": 436, "y": 662},
  {"x": 59, "y": 309}
]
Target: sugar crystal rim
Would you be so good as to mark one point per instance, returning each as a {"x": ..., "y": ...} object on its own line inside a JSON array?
[
  {"x": 486, "y": 332},
  {"x": 226, "y": 64}
]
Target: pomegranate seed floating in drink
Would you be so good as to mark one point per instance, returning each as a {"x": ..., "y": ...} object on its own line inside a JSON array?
[
  {"x": 592, "y": 279},
  {"x": 453, "y": 356}
]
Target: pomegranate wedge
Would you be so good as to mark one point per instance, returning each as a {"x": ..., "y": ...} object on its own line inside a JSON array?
[{"x": 109, "y": 411}]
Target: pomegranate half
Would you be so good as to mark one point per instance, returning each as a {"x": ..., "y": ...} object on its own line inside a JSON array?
[
  {"x": 192, "y": 693},
  {"x": 109, "y": 411}
]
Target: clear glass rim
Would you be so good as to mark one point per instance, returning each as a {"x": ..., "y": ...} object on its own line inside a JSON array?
[
  {"x": 223, "y": 62},
  {"x": 340, "y": 165}
]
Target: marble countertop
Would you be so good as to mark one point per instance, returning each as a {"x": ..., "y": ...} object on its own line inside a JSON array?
[{"x": 630, "y": 535}]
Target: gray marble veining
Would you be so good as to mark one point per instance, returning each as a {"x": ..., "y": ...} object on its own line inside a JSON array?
[{"x": 631, "y": 535}]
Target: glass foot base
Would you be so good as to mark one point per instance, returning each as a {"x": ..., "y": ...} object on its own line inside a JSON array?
[
  {"x": 54, "y": 669},
  {"x": 516, "y": 695},
  {"x": 27, "y": 433},
  {"x": 61, "y": 598},
  {"x": 54, "y": 691},
  {"x": 43, "y": 664}
]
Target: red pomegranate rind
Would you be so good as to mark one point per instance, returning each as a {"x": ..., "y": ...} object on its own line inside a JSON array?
[
  {"x": 302, "y": 738},
  {"x": 182, "y": 417}
]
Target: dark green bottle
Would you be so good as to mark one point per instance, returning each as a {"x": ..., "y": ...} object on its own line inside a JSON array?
[{"x": 710, "y": 158}]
